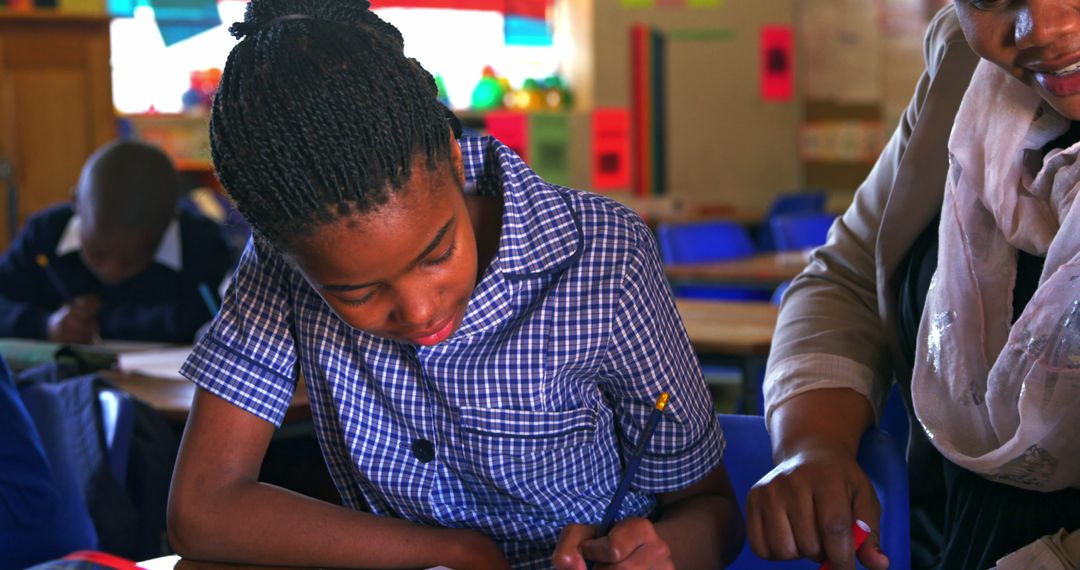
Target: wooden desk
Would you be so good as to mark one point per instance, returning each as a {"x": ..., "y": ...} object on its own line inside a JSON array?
[
  {"x": 176, "y": 563},
  {"x": 733, "y": 334},
  {"x": 172, "y": 398},
  {"x": 729, "y": 328},
  {"x": 767, "y": 269}
]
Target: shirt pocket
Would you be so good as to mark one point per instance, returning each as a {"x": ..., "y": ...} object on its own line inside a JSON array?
[{"x": 544, "y": 459}]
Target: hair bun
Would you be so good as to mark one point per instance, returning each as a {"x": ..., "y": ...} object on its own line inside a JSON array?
[
  {"x": 264, "y": 14},
  {"x": 240, "y": 30}
]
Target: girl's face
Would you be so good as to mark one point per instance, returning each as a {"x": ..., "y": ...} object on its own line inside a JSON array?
[
  {"x": 1037, "y": 41},
  {"x": 404, "y": 271}
]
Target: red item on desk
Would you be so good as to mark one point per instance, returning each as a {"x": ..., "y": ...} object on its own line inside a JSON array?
[{"x": 102, "y": 560}]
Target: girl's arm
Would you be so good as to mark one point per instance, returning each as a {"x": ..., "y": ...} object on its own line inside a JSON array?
[
  {"x": 699, "y": 527},
  {"x": 219, "y": 511}
]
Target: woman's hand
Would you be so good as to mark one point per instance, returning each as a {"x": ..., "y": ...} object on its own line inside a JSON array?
[
  {"x": 806, "y": 506},
  {"x": 632, "y": 543}
]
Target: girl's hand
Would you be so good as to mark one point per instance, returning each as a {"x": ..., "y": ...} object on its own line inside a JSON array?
[{"x": 632, "y": 543}]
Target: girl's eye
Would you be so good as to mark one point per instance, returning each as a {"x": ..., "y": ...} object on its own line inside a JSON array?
[
  {"x": 445, "y": 256},
  {"x": 360, "y": 301},
  {"x": 987, "y": 5}
]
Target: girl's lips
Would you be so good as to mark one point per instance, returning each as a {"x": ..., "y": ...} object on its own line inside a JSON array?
[
  {"x": 1060, "y": 85},
  {"x": 438, "y": 334}
]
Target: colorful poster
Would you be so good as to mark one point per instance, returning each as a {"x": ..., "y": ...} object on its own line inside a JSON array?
[
  {"x": 511, "y": 128},
  {"x": 549, "y": 146},
  {"x": 777, "y": 64},
  {"x": 611, "y": 149},
  {"x": 638, "y": 3}
]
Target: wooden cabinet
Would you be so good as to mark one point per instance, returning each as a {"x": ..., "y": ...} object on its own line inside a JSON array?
[{"x": 55, "y": 105}]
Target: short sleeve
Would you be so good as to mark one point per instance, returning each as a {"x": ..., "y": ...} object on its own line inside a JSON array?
[
  {"x": 650, "y": 353},
  {"x": 248, "y": 356}
]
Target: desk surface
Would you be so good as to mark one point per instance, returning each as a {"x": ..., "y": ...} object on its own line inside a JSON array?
[
  {"x": 763, "y": 269},
  {"x": 172, "y": 398},
  {"x": 176, "y": 563},
  {"x": 729, "y": 328}
]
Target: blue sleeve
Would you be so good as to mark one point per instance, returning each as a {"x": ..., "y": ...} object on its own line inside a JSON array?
[
  {"x": 650, "y": 353},
  {"x": 206, "y": 259},
  {"x": 39, "y": 520},
  {"x": 248, "y": 355},
  {"x": 24, "y": 288}
]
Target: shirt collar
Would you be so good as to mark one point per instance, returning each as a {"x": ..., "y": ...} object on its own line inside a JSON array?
[
  {"x": 540, "y": 232},
  {"x": 169, "y": 252}
]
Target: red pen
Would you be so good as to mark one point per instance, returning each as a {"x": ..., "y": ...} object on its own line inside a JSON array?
[{"x": 860, "y": 531}]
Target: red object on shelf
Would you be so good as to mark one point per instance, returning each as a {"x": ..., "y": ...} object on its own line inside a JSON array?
[
  {"x": 611, "y": 149},
  {"x": 777, "y": 63},
  {"x": 511, "y": 128}
]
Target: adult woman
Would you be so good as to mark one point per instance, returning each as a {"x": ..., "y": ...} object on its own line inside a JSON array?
[{"x": 986, "y": 348}]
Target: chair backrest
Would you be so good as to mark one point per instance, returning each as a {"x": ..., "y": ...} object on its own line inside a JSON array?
[
  {"x": 801, "y": 231},
  {"x": 695, "y": 242},
  {"x": 748, "y": 457},
  {"x": 809, "y": 201}
]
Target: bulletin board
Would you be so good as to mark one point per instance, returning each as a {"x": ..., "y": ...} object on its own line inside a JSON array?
[{"x": 724, "y": 141}]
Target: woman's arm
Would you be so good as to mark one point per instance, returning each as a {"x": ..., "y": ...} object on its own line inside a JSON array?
[{"x": 218, "y": 510}]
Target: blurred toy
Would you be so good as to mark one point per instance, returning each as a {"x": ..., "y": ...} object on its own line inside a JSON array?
[
  {"x": 200, "y": 93},
  {"x": 440, "y": 86},
  {"x": 489, "y": 92}
]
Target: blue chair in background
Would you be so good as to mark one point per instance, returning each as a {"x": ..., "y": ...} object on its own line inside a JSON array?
[
  {"x": 749, "y": 457},
  {"x": 808, "y": 201},
  {"x": 802, "y": 202},
  {"x": 702, "y": 242},
  {"x": 800, "y": 231}
]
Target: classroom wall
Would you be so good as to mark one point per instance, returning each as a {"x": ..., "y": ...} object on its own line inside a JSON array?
[{"x": 724, "y": 144}]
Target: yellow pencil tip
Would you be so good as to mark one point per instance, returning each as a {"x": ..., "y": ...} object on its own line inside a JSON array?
[{"x": 661, "y": 402}]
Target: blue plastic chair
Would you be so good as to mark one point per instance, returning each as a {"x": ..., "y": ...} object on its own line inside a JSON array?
[
  {"x": 809, "y": 201},
  {"x": 797, "y": 232},
  {"x": 701, "y": 242},
  {"x": 748, "y": 458},
  {"x": 894, "y": 418}
]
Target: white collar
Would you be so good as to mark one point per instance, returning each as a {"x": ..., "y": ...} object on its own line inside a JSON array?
[{"x": 169, "y": 252}]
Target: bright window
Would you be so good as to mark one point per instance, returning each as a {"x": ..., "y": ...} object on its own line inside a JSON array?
[{"x": 455, "y": 44}]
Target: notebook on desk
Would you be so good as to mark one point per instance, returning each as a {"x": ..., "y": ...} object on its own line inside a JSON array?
[{"x": 162, "y": 363}]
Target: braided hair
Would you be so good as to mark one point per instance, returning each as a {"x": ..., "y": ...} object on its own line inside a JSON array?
[{"x": 320, "y": 115}]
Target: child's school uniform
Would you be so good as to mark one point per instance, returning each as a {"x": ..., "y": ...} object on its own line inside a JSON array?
[
  {"x": 160, "y": 304},
  {"x": 518, "y": 424}
]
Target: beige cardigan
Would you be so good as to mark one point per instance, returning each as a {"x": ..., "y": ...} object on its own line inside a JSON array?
[{"x": 837, "y": 325}]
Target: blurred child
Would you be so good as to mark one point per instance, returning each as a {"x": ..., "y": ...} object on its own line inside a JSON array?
[{"x": 120, "y": 262}]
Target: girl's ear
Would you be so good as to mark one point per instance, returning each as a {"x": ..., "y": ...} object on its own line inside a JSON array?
[{"x": 456, "y": 162}]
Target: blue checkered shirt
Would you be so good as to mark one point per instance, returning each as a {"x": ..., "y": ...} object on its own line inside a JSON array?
[{"x": 532, "y": 406}]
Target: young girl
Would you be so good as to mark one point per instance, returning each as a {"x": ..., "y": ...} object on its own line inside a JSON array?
[{"x": 481, "y": 349}]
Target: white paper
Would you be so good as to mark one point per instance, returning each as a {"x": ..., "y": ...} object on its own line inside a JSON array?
[{"x": 162, "y": 363}]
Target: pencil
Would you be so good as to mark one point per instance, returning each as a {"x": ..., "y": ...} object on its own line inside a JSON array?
[
  {"x": 43, "y": 262},
  {"x": 208, "y": 298},
  {"x": 631, "y": 466}
]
